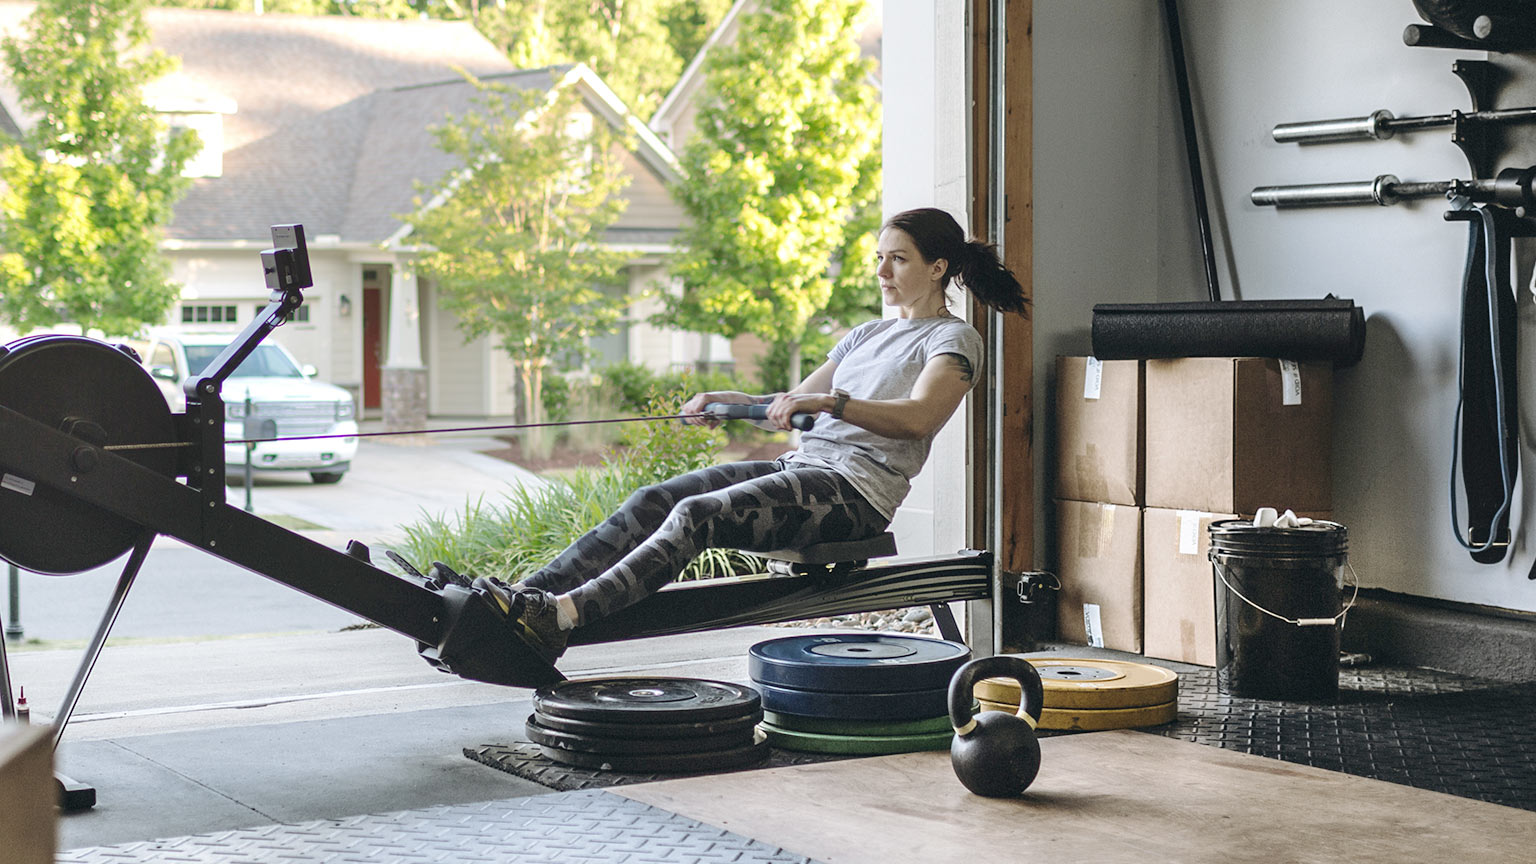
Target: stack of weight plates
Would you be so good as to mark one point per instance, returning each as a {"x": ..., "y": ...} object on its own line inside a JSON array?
[
  {"x": 856, "y": 694},
  {"x": 648, "y": 724},
  {"x": 1091, "y": 695}
]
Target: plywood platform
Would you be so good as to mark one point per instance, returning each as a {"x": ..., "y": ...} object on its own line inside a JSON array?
[{"x": 1104, "y": 797}]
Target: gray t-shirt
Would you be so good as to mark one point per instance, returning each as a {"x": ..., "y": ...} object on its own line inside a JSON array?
[{"x": 882, "y": 360}]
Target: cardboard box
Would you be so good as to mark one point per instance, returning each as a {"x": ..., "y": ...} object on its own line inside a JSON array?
[
  {"x": 1178, "y": 591},
  {"x": 28, "y": 823},
  {"x": 1231, "y": 435},
  {"x": 1178, "y": 585},
  {"x": 1099, "y": 429},
  {"x": 1099, "y": 565}
]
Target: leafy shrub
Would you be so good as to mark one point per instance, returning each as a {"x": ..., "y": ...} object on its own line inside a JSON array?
[
  {"x": 555, "y": 393},
  {"x": 636, "y": 390}
]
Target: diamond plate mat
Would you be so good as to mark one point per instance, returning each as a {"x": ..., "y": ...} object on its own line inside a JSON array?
[
  {"x": 572, "y": 826},
  {"x": 524, "y": 760},
  {"x": 1431, "y": 730}
]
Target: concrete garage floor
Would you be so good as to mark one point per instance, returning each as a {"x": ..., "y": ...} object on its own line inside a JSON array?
[{"x": 190, "y": 737}]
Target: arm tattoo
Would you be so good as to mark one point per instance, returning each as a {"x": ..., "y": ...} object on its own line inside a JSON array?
[{"x": 967, "y": 374}]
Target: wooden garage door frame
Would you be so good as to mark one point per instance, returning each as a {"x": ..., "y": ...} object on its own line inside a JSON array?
[{"x": 1002, "y": 413}]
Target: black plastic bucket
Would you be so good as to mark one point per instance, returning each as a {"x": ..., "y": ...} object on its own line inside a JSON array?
[{"x": 1278, "y": 607}]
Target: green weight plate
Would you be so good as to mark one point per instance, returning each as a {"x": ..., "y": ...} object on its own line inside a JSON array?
[
  {"x": 857, "y": 745},
  {"x": 626, "y": 746},
  {"x": 678, "y": 763},
  {"x": 832, "y": 726}
]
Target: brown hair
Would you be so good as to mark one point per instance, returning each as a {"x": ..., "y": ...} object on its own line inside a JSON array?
[{"x": 976, "y": 264}]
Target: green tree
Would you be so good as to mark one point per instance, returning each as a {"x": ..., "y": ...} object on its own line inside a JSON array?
[
  {"x": 636, "y": 46},
  {"x": 781, "y": 180},
  {"x": 88, "y": 186},
  {"x": 689, "y": 23},
  {"x": 511, "y": 235},
  {"x": 360, "y": 8}
]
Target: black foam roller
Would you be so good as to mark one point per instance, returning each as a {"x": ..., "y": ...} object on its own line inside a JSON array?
[{"x": 1329, "y": 330}]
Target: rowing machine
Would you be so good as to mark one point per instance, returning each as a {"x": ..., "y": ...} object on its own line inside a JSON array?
[{"x": 93, "y": 465}]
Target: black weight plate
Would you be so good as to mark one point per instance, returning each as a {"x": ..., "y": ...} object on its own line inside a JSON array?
[
  {"x": 908, "y": 705},
  {"x": 599, "y": 729},
  {"x": 626, "y": 746},
  {"x": 856, "y": 662},
  {"x": 55, "y": 380},
  {"x": 678, "y": 763},
  {"x": 646, "y": 700}
]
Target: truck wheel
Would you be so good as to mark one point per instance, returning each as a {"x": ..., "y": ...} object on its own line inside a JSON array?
[{"x": 326, "y": 476}]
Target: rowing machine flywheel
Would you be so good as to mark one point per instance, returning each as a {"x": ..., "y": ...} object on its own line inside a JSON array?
[{"x": 95, "y": 392}]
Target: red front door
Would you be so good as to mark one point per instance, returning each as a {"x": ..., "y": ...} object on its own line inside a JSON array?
[{"x": 373, "y": 345}]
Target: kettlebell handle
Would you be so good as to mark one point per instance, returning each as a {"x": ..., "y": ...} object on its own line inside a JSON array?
[{"x": 961, "y": 687}]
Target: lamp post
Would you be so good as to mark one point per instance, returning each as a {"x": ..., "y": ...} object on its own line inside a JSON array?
[{"x": 13, "y": 630}]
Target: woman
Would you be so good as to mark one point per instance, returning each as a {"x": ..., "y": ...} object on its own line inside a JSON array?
[{"x": 886, "y": 389}]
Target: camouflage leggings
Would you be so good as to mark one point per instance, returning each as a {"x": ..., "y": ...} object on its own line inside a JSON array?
[{"x": 755, "y": 506}]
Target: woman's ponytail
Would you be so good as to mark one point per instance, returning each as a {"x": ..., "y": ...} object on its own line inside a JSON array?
[
  {"x": 976, "y": 264},
  {"x": 992, "y": 284}
]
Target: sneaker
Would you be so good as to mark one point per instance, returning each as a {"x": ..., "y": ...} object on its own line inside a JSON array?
[{"x": 533, "y": 616}]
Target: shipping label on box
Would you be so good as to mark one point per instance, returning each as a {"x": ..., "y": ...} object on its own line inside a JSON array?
[
  {"x": 1231, "y": 435},
  {"x": 1178, "y": 591},
  {"x": 1099, "y": 565},
  {"x": 1099, "y": 428}
]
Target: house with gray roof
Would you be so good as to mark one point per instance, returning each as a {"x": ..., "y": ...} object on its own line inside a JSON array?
[{"x": 325, "y": 121}]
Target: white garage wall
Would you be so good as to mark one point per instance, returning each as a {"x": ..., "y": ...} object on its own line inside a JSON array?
[{"x": 1113, "y": 224}]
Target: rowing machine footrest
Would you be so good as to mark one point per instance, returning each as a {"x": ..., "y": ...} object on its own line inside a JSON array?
[{"x": 479, "y": 644}]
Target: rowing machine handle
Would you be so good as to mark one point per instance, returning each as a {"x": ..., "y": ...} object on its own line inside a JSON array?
[{"x": 737, "y": 411}]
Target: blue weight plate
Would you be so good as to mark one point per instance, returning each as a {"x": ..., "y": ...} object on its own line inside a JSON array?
[
  {"x": 906, "y": 705},
  {"x": 857, "y": 662},
  {"x": 646, "y": 700}
]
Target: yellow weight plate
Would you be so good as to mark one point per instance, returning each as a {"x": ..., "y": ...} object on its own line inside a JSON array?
[
  {"x": 1076, "y": 682},
  {"x": 1095, "y": 720}
]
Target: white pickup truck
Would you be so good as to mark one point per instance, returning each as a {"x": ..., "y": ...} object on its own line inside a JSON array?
[{"x": 284, "y": 398}]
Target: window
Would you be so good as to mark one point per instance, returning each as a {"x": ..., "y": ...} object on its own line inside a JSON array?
[
  {"x": 300, "y": 315},
  {"x": 202, "y": 314}
]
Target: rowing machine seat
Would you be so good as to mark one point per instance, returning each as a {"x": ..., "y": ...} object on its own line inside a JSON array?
[{"x": 834, "y": 555}]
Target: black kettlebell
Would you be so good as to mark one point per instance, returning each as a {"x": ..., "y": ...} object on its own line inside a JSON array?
[{"x": 995, "y": 753}]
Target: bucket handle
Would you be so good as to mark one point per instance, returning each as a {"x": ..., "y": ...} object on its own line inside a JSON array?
[{"x": 1299, "y": 622}]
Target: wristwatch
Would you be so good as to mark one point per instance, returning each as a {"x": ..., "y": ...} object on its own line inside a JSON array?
[{"x": 839, "y": 401}]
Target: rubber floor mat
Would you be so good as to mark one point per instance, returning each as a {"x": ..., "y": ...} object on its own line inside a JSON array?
[
  {"x": 524, "y": 760},
  {"x": 1431, "y": 730}
]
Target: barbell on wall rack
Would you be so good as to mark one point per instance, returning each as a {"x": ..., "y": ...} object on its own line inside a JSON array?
[{"x": 1512, "y": 188}]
